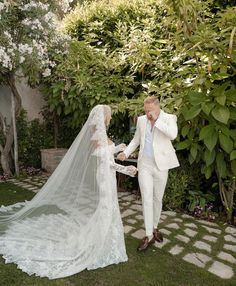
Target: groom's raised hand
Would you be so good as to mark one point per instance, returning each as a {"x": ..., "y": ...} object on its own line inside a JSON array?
[{"x": 121, "y": 156}]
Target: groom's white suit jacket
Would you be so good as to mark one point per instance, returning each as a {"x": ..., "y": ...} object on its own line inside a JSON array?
[{"x": 165, "y": 130}]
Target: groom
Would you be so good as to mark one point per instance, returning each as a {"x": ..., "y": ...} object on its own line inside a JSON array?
[{"x": 154, "y": 132}]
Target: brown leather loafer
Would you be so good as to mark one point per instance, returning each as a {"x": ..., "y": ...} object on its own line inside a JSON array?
[
  {"x": 157, "y": 235},
  {"x": 145, "y": 243}
]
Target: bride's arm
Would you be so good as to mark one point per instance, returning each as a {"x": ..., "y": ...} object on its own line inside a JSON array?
[
  {"x": 119, "y": 148},
  {"x": 127, "y": 170},
  {"x": 101, "y": 152}
]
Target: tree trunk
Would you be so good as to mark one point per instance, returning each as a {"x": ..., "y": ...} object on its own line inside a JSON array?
[
  {"x": 5, "y": 152},
  {"x": 13, "y": 109},
  {"x": 10, "y": 133},
  {"x": 227, "y": 196}
]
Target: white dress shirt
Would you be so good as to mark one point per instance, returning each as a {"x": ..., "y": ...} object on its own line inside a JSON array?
[{"x": 148, "y": 145}]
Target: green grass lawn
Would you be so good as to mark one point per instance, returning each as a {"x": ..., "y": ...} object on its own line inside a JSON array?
[{"x": 155, "y": 267}]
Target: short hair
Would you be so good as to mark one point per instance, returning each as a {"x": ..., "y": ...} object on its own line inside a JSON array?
[{"x": 152, "y": 99}]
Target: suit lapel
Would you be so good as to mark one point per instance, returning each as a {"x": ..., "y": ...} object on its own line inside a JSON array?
[{"x": 143, "y": 130}]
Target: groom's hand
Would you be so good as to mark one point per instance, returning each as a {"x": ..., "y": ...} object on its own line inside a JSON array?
[
  {"x": 153, "y": 115},
  {"x": 121, "y": 156}
]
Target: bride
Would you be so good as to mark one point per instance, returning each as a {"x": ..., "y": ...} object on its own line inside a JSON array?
[{"x": 74, "y": 222}]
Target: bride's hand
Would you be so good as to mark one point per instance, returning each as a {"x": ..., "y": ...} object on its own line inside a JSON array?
[
  {"x": 132, "y": 170},
  {"x": 121, "y": 147}
]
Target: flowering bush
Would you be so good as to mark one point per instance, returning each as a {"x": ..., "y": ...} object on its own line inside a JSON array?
[
  {"x": 30, "y": 171},
  {"x": 4, "y": 177},
  {"x": 28, "y": 29}
]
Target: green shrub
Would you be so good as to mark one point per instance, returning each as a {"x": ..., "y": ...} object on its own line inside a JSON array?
[
  {"x": 32, "y": 136},
  {"x": 176, "y": 190},
  {"x": 182, "y": 181}
]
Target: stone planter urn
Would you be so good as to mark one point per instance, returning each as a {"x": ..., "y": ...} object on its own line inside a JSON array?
[{"x": 50, "y": 158}]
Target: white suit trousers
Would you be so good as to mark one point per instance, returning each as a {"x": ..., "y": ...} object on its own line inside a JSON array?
[{"x": 152, "y": 184}]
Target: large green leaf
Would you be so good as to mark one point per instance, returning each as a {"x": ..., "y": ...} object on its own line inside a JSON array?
[
  {"x": 225, "y": 130},
  {"x": 196, "y": 98},
  {"x": 185, "y": 130},
  {"x": 221, "y": 99},
  {"x": 225, "y": 142},
  {"x": 233, "y": 134},
  {"x": 233, "y": 155},
  {"x": 194, "y": 151},
  {"x": 221, "y": 113},
  {"x": 209, "y": 157},
  {"x": 183, "y": 145},
  {"x": 207, "y": 171},
  {"x": 211, "y": 142},
  {"x": 233, "y": 167},
  {"x": 207, "y": 107},
  {"x": 207, "y": 131},
  {"x": 221, "y": 165},
  {"x": 190, "y": 159},
  {"x": 231, "y": 94},
  {"x": 220, "y": 89},
  {"x": 232, "y": 113},
  {"x": 190, "y": 113}
]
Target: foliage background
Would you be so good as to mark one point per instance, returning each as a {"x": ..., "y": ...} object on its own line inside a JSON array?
[{"x": 184, "y": 51}]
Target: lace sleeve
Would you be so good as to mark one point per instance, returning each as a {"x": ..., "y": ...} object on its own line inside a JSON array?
[
  {"x": 119, "y": 148},
  {"x": 127, "y": 170},
  {"x": 130, "y": 170}
]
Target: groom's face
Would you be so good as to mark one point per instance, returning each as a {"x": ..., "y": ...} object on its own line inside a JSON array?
[{"x": 152, "y": 111}]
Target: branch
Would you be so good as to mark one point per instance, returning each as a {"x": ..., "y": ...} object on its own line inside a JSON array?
[
  {"x": 230, "y": 50},
  {"x": 3, "y": 124},
  {"x": 12, "y": 84},
  {"x": 1, "y": 148}
]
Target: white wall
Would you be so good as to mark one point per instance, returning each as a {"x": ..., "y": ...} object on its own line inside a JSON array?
[{"x": 32, "y": 101}]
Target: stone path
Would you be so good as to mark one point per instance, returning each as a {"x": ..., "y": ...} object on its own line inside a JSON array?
[{"x": 205, "y": 244}]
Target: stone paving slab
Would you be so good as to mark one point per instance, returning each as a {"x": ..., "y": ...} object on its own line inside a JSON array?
[
  {"x": 226, "y": 256},
  {"x": 161, "y": 245},
  {"x": 176, "y": 249},
  {"x": 190, "y": 232},
  {"x": 210, "y": 238},
  {"x": 191, "y": 225},
  {"x": 221, "y": 270},
  {"x": 231, "y": 230},
  {"x": 212, "y": 230},
  {"x": 183, "y": 238},
  {"x": 230, "y": 247},
  {"x": 197, "y": 259},
  {"x": 230, "y": 238},
  {"x": 203, "y": 245}
]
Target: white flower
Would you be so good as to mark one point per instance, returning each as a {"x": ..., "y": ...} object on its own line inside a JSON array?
[
  {"x": 34, "y": 5},
  {"x": 65, "y": 5},
  {"x": 8, "y": 35},
  {"x": 4, "y": 5},
  {"x": 47, "y": 72},
  {"x": 22, "y": 59},
  {"x": 25, "y": 49},
  {"x": 175, "y": 59},
  {"x": 52, "y": 64},
  {"x": 189, "y": 81},
  {"x": 5, "y": 59}
]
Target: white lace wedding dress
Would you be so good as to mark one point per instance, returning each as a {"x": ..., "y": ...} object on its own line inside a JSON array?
[{"x": 74, "y": 222}]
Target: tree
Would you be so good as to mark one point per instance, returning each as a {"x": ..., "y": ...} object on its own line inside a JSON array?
[
  {"x": 28, "y": 30},
  {"x": 206, "y": 55}
]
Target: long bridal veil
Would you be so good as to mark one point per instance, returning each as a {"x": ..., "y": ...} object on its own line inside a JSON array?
[{"x": 63, "y": 228}]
